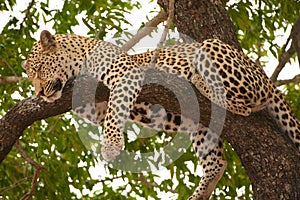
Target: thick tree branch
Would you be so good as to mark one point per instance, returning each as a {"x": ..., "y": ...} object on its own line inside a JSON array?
[
  {"x": 267, "y": 154},
  {"x": 17, "y": 119},
  {"x": 240, "y": 132},
  {"x": 296, "y": 38},
  {"x": 198, "y": 23}
]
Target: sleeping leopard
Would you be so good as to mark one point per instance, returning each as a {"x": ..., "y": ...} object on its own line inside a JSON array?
[{"x": 223, "y": 74}]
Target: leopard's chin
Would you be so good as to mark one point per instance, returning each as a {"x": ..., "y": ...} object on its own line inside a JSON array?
[{"x": 50, "y": 99}]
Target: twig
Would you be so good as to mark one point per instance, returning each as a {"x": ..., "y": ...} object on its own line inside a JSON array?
[
  {"x": 30, "y": 5},
  {"x": 37, "y": 167},
  {"x": 9, "y": 66},
  {"x": 97, "y": 35},
  {"x": 88, "y": 25},
  {"x": 52, "y": 126},
  {"x": 165, "y": 32},
  {"x": 142, "y": 179},
  {"x": 148, "y": 184},
  {"x": 148, "y": 28},
  {"x": 12, "y": 186},
  {"x": 294, "y": 80},
  {"x": 257, "y": 61},
  {"x": 97, "y": 32}
]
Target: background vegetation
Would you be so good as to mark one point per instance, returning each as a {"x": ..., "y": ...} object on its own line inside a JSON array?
[{"x": 54, "y": 143}]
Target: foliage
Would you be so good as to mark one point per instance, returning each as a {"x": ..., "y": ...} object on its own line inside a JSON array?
[
  {"x": 292, "y": 95},
  {"x": 54, "y": 142},
  {"x": 258, "y": 23}
]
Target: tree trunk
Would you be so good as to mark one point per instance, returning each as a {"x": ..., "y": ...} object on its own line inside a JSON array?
[
  {"x": 268, "y": 155},
  {"x": 270, "y": 158}
]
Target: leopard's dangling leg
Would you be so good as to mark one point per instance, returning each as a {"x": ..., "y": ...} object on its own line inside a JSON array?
[
  {"x": 121, "y": 100},
  {"x": 208, "y": 148}
]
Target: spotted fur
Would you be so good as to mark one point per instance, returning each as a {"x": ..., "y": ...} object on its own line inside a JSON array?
[
  {"x": 223, "y": 74},
  {"x": 228, "y": 78}
]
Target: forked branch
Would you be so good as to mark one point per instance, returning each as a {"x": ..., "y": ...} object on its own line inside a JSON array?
[
  {"x": 165, "y": 32},
  {"x": 146, "y": 30},
  {"x": 37, "y": 167},
  {"x": 285, "y": 56}
]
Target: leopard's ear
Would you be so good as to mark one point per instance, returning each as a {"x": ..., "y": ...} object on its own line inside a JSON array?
[
  {"x": 47, "y": 41},
  {"x": 23, "y": 63}
]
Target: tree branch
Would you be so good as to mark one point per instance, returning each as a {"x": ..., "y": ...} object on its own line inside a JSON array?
[
  {"x": 260, "y": 144},
  {"x": 165, "y": 32},
  {"x": 296, "y": 38},
  {"x": 17, "y": 119},
  {"x": 270, "y": 158},
  {"x": 9, "y": 66},
  {"x": 252, "y": 129},
  {"x": 146, "y": 30},
  {"x": 85, "y": 21},
  {"x": 283, "y": 59},
  {"x": 295, "y": 80},
  {"x": 168, "y": 25},
  {"x": 15, "y": 184},
  {"x": 37, "y": 167},
  {"x": 286, "y": 55},
  {"x": 9, "y": 79}
]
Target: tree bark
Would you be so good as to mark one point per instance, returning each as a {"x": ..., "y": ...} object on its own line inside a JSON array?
[
  {"x": 270, "y": 158},
  {"x": 268, "y": 155},
  {"x": 200, "y": 20},
  {"x": 24, "y": 113}
]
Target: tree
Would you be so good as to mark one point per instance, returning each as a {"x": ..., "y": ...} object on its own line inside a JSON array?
[{"x": 271, "y": 178}]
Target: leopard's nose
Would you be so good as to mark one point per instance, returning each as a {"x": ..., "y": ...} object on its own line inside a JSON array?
[{"x": 41, "y": 92}]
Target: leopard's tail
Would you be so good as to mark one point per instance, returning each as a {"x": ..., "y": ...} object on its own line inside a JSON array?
[{"x": 284, "y": 116}]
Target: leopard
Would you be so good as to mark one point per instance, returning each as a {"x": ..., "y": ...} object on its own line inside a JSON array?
[{"x": 222, "y": 73}]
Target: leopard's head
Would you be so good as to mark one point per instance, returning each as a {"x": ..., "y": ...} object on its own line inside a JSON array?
[{"x": 49, "y": 66}]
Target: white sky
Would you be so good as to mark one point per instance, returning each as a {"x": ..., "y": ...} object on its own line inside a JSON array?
[{"x": 136, "y": 17}]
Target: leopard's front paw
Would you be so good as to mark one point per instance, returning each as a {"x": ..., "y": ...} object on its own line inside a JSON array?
[{"x": 110, "y": 151}]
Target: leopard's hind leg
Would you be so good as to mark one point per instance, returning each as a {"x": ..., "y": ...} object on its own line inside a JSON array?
[{"x": 208, "y": 148}]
